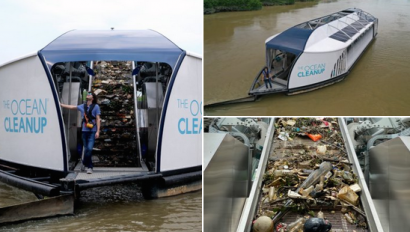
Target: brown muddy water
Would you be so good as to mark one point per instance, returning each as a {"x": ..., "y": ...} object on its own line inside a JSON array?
[
  {"x": 119, "y": 208},
  {"x": 379, "y": 83}
]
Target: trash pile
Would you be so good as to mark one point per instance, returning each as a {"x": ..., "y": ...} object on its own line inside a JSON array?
[
  {"x": 309, "y": 183},
  {"x": 117, "y": 145}
]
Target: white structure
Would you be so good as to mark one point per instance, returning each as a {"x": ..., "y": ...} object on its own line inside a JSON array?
[
  {"x": 33, "y": 130},
  {"x": 316, "y": 53}
]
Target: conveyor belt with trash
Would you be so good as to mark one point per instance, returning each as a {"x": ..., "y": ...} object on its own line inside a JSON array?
[{"x": 311, "y": 182}]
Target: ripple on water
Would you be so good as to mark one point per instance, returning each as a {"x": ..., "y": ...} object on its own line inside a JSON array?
[{"x": 119, "y": 208}]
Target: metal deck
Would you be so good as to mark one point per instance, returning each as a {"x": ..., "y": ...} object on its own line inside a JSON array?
[
  {"x": 279, "y": 72},
  {"x": 107, "y": 172},
  {"x": 276, "y": 87}
]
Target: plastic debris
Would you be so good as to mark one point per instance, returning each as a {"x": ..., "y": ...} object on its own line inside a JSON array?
[
  {"x": 320, "y": 215},
  {"x": 314, "y": 137},
  {"x": 263, "y": 224},
  {"x": 317, "y": 225},
  {"x": 281, "y": 227},
  {"x": 295, "y": 195},
  {"x": 306, "y": 192},
  {"x": 347, "y": 194},
  {"x": 297, "y": 225},
  {"x": 348, "y": 218},
  {"x": 321, "y": 150},
  {"x": 116, "y": 145},
  {"x": 291, "y": 122},
  {"x": 272, "y": 195},
  {"x": 303, "y": 178},
  {"x": 355, "y": 187},
  {"x": 284, "y": 136}
]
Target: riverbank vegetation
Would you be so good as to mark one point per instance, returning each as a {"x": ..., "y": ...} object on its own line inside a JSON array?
[{"x": 214, "y": 6}]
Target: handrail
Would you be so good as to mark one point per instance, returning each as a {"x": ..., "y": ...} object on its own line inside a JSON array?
[
  {"x": 365, "y": 14},
  {"x": 256, "y": 79},
  {"x": 348, "y": 25},
  {"x": 357, "y": 21}
]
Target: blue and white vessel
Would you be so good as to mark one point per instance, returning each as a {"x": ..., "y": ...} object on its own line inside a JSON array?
[
  {"x": 316, "y": 53},
  {"x": 38, "y": 140}
]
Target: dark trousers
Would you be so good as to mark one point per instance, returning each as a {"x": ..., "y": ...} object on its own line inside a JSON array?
[
  {"x": 88, "y": 142},
  {"x": 267, "y": 80}
]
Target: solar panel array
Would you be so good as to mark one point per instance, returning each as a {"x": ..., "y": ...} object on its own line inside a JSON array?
[{"x": 349, "y": 30}]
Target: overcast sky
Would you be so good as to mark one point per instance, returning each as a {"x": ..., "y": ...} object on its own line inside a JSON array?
[{"x": 27, "y": 26}]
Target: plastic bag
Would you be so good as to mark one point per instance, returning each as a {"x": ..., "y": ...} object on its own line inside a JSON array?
[
  {"x": 314, "y": 137},
  {"x": 321, "y": 150}
]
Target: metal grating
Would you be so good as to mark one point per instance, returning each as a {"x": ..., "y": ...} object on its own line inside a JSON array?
[
  {"x": 339, "y": 223},
  {"x": 106, "y": 172}
]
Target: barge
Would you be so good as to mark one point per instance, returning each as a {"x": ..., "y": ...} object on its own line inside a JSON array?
[
  {"x": 315, "y": 53},
  {"x": 151, "y": 130},
  {"x": 236, "y": 191}
]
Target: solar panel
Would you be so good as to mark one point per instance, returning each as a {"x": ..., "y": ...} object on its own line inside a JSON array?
[{"x": 340, "y": 36}]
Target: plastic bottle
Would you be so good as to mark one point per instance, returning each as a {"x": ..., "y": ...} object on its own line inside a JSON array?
[
  {"x": 348, "y": 218},
  {"x": 279, "y": 173},
  {"x": 295, "y": 129},
  {"x": 307, "y": 191},
  {"x": 347, "y": 176},
  {"x": 312, "y": 179},
  {"x": 320, "y": 215},
  {"x": 319, "y": 187},
  {"x": 296, "y": 226},
  {"x": 328, "y": 175},
  {"x": 84, "y": 95},
  {"x": 272, "y": 195}
]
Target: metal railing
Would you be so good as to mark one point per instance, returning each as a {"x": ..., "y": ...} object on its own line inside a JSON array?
[{"x": 258, "y": 82}]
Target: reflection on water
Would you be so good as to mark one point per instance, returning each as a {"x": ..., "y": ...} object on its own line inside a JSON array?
[
  {"x": 118, "y": 208},
  {"x": 235, "y": 53}
]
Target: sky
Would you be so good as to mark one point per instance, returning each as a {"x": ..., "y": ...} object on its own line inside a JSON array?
[{"x": 27, "y": 26}]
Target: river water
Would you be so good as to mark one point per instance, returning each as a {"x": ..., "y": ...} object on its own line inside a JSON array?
[
  {"x": 119, "y": 208},
  {"x": 379, "y": 83}
]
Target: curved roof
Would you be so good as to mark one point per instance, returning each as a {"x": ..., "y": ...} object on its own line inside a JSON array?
[
  {"x": 138, "y": 45},
  {"x": 292, "y": 40}
]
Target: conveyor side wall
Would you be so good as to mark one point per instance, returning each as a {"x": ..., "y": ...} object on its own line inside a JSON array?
[{"x": 389, "y": 181}]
